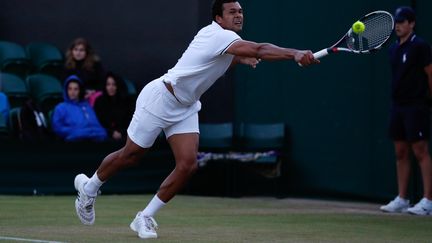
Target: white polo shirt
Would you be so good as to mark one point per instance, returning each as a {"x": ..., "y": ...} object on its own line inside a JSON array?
[{"x": 203, "y": 62}]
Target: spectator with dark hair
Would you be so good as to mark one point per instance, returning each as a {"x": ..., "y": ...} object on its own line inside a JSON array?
[
  {"x": 74, "y": 119},
  {"x": 114, "y": 108},
  {"x": 81, "y": 60}
]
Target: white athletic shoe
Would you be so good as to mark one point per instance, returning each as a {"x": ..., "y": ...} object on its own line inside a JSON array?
[
  {"x": 424, "y": 207},
  {"x": 398, "y": 205},
  {"x": 84, "y": 204},
  {"x": 145, "y": 226}
]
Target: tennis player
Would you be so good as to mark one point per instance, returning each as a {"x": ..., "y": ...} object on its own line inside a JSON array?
[{"x": 171, "y": 104}]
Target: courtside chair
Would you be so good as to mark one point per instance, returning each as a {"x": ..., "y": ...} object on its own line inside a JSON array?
[
  {"x": 269, "y": 139},
  {"x": 15, "y": 88},
  {"x": 216, "y": 136},
  {"x": 262, "y": 137},
  {"x": 46, "y": 90},
  {"x": 45, "y": 58},
  {"x": 13, "y": 59}
]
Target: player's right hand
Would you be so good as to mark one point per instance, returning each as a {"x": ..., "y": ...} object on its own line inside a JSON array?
[{"x": 305, "y": 58}]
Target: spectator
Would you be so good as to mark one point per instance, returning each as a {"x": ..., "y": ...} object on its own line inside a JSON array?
[
  {"x": 114, "y": 108},
  {"x": 4, "y": 106},
  {"x": 74, "y": 119},
  {"x": 81, "y": 60}
]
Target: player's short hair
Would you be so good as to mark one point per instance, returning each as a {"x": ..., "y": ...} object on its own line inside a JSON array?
[{"x": 217, "y": 7}]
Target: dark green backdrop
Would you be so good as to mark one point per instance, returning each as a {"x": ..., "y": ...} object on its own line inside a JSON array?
[{"x": 337, "y": 111}]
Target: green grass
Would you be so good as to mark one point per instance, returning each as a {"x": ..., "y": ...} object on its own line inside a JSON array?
[{"x": 210, "y": 219}]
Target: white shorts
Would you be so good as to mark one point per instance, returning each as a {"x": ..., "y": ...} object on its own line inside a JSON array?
[{"x": 158, "y": 110}]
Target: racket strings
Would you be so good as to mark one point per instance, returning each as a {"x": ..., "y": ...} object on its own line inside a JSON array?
[{"x": 378, "y": 28}]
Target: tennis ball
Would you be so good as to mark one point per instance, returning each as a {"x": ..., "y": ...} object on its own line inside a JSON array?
[{"x": 358, "y": 27}]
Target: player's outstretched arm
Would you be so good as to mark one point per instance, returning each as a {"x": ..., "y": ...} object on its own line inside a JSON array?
[{"x": 267, "y": 51}]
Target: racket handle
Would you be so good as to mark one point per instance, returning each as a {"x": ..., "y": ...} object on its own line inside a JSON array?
[
  {"x": 319, "y": 54},
  {"x": 322, "y": 53}
]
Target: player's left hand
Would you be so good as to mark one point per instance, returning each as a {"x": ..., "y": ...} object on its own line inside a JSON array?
[{"x": 250, "y": 61}]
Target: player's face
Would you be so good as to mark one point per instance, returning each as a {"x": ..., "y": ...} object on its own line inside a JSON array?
[
  {"x": 232, "y": 17},
  {"x": 111, "y": 86},
  {"x": 73, "y": 91},
  {"x": 404, "y": 29},
  {"x": 79, "y": 52}
]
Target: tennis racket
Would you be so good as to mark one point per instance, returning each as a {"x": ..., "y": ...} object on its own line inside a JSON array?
[{"x": 378, "y": 29}]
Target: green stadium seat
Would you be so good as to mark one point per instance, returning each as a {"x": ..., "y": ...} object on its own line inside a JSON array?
[
  {"x": 262, "y": 137},
  {"x": 130, "y": 85},
  {"x": 216, "y": 136},
  {"x": 15, "y": 88},
  {"x": 46, "y": 90},
  {"x": 13, "y": 59},
  {"x": 46, "y": 58}
]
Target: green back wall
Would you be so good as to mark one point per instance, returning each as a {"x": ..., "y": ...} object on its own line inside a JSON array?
[{"x": 336, "y": 112}]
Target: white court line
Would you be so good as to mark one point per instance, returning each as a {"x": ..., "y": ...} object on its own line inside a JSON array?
[{"x": 28, "y": 240}]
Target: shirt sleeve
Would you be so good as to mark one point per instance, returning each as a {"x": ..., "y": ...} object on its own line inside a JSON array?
[{"x": 223, "y": 39}]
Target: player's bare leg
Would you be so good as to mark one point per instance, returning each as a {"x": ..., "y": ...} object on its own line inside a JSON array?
[
  {"x": 127, "y": 156},
  {"x": 185, "y": 149},
  {"x": 87, "y": 188}
]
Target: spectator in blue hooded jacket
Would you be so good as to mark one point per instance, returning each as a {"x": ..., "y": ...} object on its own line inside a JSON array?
[
  {"x": 74, "y": 119},
  {"x": 4, "y": 106}
]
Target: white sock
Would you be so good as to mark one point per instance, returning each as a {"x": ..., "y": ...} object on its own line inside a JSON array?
[
  {"x": 403, "y": 199},
  {"x": 154, "y": 206},
  {"x": 428, "y": 201},
  {"x": 91, "y": 188}
]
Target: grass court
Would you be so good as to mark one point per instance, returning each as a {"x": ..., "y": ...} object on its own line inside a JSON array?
[{"x": 209, "y": 219}]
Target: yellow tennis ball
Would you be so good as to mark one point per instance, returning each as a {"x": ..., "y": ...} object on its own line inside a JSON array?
[{"x": 358, "y": 27}]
